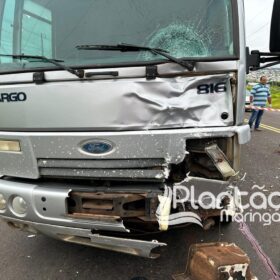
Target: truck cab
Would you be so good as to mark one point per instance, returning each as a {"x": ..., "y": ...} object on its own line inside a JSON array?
[{"x": 106, "y": 105}]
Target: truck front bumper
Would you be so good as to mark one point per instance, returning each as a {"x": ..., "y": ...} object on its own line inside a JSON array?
[
  {"x": 46, "y": 212},
  {"x": 85, "y": 236}
]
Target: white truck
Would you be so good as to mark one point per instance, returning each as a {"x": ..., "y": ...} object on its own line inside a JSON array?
[{"x": 105, "y": 105}]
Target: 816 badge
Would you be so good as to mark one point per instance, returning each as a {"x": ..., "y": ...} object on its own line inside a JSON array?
[{"x": 212, "y": 88}]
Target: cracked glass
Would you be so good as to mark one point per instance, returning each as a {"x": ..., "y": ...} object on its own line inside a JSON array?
[{"x": 53, "y": 28}]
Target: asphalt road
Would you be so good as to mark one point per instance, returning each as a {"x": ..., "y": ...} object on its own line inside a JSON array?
[{"x": 25, "y": 257}]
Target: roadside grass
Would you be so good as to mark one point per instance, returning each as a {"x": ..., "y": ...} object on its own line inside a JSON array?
[{"x": 275, "y": 93}]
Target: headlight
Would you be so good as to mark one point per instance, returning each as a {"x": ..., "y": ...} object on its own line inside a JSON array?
[
  {"x": 3, "y": 202},
  {"x": 19, "y": 205},
  {"x": 9, "y": 146}
]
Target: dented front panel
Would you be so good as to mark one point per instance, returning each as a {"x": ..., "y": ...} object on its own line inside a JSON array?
[{"x": 119, "y": 104}]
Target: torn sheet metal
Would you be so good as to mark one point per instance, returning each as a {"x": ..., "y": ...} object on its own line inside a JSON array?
[
  {"x": 84, "y": 236},
  {"x": 123, "y": 104},
  {"x": 129, "y": 246}
]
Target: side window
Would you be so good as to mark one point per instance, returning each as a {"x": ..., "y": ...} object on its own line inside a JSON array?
[
  {"x": 7, "y": 13},
  {"x": 36, "y": 38}
]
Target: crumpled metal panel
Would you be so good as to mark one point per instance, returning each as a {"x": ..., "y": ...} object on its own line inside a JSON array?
[
  {"x": 120, "y": 104},
  {"x": 83, "y": 236}
]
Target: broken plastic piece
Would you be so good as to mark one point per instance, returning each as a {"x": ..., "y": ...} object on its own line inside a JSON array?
[
  {"x": 164, "y": 209},
  {"x": 220, "y": 161}
]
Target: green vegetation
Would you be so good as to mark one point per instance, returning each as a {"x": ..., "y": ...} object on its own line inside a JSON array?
[{"x": 275, "y": 93}]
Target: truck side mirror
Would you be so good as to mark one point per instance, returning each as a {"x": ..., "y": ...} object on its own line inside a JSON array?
[
  {"x": 257, "y": 60},
  {"x": 275, "y": 28}
]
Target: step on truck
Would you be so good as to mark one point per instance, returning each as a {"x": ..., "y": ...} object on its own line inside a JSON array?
[{"x": 111, "y": 110}]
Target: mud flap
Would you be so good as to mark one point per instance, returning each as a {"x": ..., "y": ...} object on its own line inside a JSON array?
[{"x": 217, "y": 261}]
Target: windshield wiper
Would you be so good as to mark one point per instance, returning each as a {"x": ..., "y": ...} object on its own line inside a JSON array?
[
  {"x": 79, "y": 73},
  {"x": 122, "y": 47}
]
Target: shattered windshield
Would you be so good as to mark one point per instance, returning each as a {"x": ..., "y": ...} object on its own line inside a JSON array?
[{"x": 53, "y": 28}]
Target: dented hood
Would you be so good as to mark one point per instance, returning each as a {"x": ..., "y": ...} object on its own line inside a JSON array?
[{"x": 125, "y": 103}]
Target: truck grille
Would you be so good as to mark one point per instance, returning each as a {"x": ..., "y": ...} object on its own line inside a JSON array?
[{"x": 152, "y": 169}]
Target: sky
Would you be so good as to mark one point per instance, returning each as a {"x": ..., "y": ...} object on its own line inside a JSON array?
[{"x": 258, "y": 18}]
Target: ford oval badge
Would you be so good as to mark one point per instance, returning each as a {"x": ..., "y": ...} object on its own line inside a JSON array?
[{"x": 97, "y": 148}]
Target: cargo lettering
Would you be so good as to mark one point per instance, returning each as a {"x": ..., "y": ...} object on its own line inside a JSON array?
[{"x": 13, "y": 97}]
